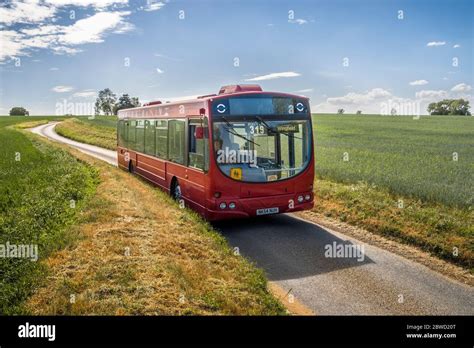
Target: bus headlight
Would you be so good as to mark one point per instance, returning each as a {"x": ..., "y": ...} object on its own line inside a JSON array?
[
  {"x": 307, "y": 197},
  {"x": 300, "y": 199},
  {"x": 232, "y": 205},
  {"x": 223, "y": 205}
]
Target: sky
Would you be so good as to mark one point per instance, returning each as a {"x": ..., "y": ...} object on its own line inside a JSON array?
[{"x": 368, "y": 55}]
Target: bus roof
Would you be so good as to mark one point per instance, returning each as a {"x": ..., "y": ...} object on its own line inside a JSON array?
[{"x": 197, "y": 106}]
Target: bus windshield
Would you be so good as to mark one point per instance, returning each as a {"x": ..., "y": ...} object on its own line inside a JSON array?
[{"x": 259, "y": 150}]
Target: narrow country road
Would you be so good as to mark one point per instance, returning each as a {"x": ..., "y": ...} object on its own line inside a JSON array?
[
  {"x": 47, "y": 130},
  {"x": 292, "y": 252}
]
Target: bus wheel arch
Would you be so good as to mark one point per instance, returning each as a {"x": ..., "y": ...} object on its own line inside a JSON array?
[{"x": 175, "y": 189}]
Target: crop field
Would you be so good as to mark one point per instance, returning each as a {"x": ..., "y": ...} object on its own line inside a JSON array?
[
  {"x": 431, "y": 158},
  {"x": 41, "y": 189}
]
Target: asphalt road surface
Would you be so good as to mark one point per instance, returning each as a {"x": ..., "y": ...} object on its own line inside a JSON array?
[
  {"x": 294, "y": 254},
  {"x": 47, "y": 130}
]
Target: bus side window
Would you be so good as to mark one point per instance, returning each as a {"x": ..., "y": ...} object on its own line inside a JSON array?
[
  {"x": 176, "y": 141},
  {"x": 140, "y": 140},
  {"x": 150, "y": 137},
  {"x": 161, "y": 134},
  {"x": 198, "y": 144},
  {"x": 131, "y": 135},
  {"x": 120, "y": 125}
]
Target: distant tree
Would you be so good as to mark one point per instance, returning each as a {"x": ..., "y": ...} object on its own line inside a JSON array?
[
  {"x": 125, "y": 102},
  {"x": 340, "y": 111},
  {"x": 359, "y": 112},
  {"x": 393, "y": 112},
  {"x": 105, "y": 102},
  {"x": 19, "y": 111},
  {"x": 450, "y": 107}
]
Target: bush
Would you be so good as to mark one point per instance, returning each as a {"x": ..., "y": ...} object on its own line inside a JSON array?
[{"x": 19, "y": 111}]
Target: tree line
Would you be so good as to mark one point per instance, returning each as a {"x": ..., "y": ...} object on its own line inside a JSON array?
[
  {"x": 450, "y": 107},
  {"x": 108, "y": 104}
]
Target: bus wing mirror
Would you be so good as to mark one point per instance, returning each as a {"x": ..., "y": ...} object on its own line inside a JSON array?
[{"x": 199, "y": 132}]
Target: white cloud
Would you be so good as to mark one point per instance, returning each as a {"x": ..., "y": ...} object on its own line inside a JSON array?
[
  {"x": 462, "y": 87},
  {"x": 381, "y": 101},
  {"x": 436, "y": 43},
  {"x": 36, "y": 28},
  {"x": 456, "y": 46},
  {"x": 53, "y": 69},
  {"x": 299, "y": 21},
  {"x": 86, "y": 3},
  {"x": 93, "y": 28},
  {"x": 159, "y": 55},
  {"x": 26, "y": 11},
  {"x": 418, "y": 83},
  {"x": 60, "y": 38},
  {"x": 10, "y": 44},
  {"x": 430, "y": 94},
  {"x": 304, "y": 90},
  {"x": 273, "y": 76},
  {"x": 360, "y": 98},
  {"x": 62, "y": 89},
  {"x": 35, "y": 11},
  {"x": 153, "y": 5},
  {"x": 159, "y": 71},
  {"x": 87, "y": 93}
]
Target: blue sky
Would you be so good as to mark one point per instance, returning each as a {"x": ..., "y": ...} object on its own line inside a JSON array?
[{"x": 355, "y": 54}]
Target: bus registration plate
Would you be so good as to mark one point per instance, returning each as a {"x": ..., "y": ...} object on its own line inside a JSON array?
[{"x": 267, "y": 211}]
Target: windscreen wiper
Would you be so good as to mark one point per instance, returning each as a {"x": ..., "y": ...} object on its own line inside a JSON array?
[{"x": 230, "y": 126}]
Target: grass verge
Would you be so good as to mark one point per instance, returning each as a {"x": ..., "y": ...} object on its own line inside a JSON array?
[
  {"x": 141, "y": 255},
  {"x": 101, "y": 133},
  {"x": 446, "y": 232},
  {"x": 41, "y": 191}
]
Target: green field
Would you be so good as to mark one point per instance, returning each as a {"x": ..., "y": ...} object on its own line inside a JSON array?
[
  {"x": 413, "y": 158},
  {"x": 105, "y": 121},
  {"x": 37, "y": 184}
]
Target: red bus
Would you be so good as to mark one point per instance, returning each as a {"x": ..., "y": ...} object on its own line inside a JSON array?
[{"x": 241, "y": 153}]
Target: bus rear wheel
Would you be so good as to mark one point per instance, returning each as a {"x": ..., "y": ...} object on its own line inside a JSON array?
[{"x": 176, "y": 190}]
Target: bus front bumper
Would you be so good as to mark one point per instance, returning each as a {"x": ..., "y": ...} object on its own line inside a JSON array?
[{"x": 260, "y": 206}]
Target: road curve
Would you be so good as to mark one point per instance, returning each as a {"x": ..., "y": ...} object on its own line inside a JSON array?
[
  {"x": 47, "y": 130},
  {"x": 293, "y": 253}
]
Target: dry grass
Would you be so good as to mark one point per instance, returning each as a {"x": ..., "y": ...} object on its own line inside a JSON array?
[
  {"x": 432, "y": 227},
  {"x": 30, "y": 124},
  {"x": 176, "y": 263}
]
